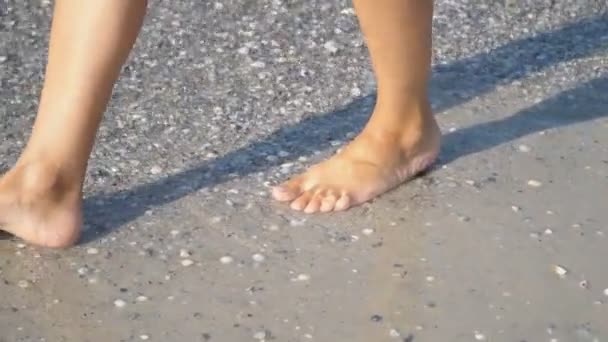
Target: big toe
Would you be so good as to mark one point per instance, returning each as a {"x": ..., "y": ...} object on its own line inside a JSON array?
[{"x": 288, "y": 191}]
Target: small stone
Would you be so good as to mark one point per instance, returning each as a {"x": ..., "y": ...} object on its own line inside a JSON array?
[
  {"x": 184, "y": 253},
  {"x": 606, "y": 292},
  {"x": 83, "y": 270},
  {"x": 367, "y": 231},
  {"x": 394, "y": 333},
  {"x": 258, "y": 64},
  {"x": 524, "y": 148},
  {"x": 303, "y": 277},
  {"x": 515, "y": 208},
  {"x": 560, "y": 271},
  {"x": 464, "y": 219},
  {"x": 187, "y": 262},
  {"x": 92, "y": 251},
  {"x": 144, "y": 337},
  {"x": 23, "y": 284},
  {"x": 141, "y": 298},
  {"x": 331, "y": 46},
  {"x": 430, "y": 279},
  {"x": 260, "y": 335},
  {"x": 583, "y": 284},
  {"x": 21, "y": 245},
  {"x": 273, "y": 228},
  {"x": 119, "y": 303},
  {"x": 479, "y": 336},
  {"x": 226, "y": 260},
  {"x": 174, "y": 232},
  {"x": 548, "y": 231},
  {"x": 297, "y": 223},
  {"x": 376, "y": 318},
  {"x": 258, "y": 257},
  {"x": 534, "y": 183},
  {"x": 3, "y": 59},
  {"x": 470, "y": 182},
  {"x": 155, "y": 170}
]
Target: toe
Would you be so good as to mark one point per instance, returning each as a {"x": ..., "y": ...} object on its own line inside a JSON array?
[
  {"x": 288, "y": 191},
  {"x": 343, "y": 203},
  {"x": 315, "y": 204},
  {"x": 301, "y": 202},
  {"x": 328, "y": 203}
]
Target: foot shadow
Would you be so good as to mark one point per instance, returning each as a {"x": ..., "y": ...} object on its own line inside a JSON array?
[{"x": 105, "y": 212}]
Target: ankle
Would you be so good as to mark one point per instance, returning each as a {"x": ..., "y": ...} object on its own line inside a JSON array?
[
  {"x": 37, "y": 179},
  {"x": 403, "y": 117}
]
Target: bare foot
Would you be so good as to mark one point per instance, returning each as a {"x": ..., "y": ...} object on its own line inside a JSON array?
[
  {"x": 37, "y": 206},
  {"x": 376, "y": 161}
]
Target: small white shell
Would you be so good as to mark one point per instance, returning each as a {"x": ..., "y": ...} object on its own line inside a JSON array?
[
  {"x": 226, "y": 259},
  {"x": 560, "y": 271},
  {"x": 119, "y": 303},
  {"x": 187, "y": 262},
  {"x": 479, "y": 336}
]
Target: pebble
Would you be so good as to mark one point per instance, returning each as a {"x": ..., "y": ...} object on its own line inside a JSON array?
[
  {"x": 258, "y": 257},
  {"x": 83, "y": 270},
  {"x": 187, "y": 262},
  {"x": 534, "y": 183},
  {"x": 560, "y": 271},
  {"x": 548, "y": 231},
  {"x": 297, "y": 223},
  {"x": 155, "y": 170},
  {"x": 394, "y": 333},
  {"x": 515, "y": 208},
  {"x": 92, "y": 251},
  {"x": 331, "y": 46},
  {"x": 303, "y": 277},
  {"x": 273, "y": 228},
  {"x": 479, "y": 336},
  {"x": 23, "y": 284},
  {"x": 524, "y": 148},
  {"x": 367, "y": 231},
  {"x": 260, "y": 335},
  {"x": 258, "y": 64},
  {"x": 583, "y": 284},
  {"x": 226, "y": 260},
  {"x": 376, "y": 318},
  {"x": 184, "y": 253},
  {"x": 21, "y": 245},
  {"x": 119, "y": 303},
  {"x": 174, "y": 232},
  {"x": 430, "y": 279},
  {"x": 144, "y": 337},
  {"x": 141, "y": 298},
  {"x": 606, "y": 291}
]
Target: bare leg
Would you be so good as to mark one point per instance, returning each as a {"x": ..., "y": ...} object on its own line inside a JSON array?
[
  {"x": 41, "y": 197},
  {"x": 402, "y": 138}
]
